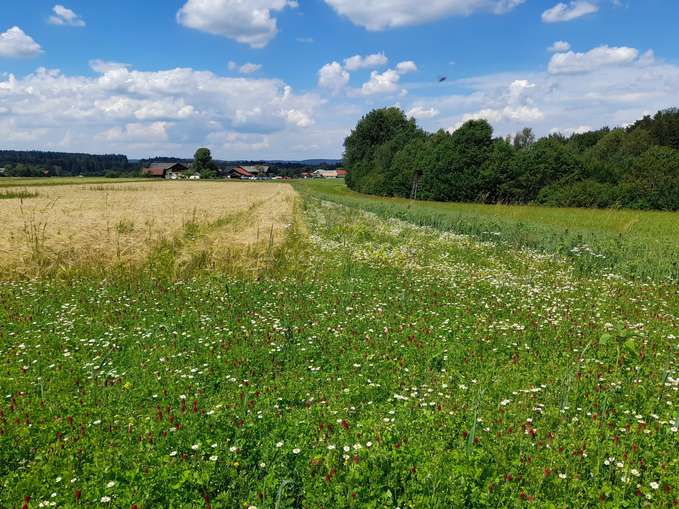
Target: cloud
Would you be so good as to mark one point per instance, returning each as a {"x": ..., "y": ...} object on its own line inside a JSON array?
[
  {"x": 521, "y": 114},
  {"x": 594, "y": 96},
  {"x": 298, "y": 118},
  {"x": 559, "y": 47},
  {"x": 603, "y": 56},
  {"x": 102, "y": 66},
  {"x": 246, "y": 21},
  {"x": 247, "y": 68},
  {"x": 567, "y": 131},
  {"x": 169, "y": 111},
  {"x": 365, "y": 62},
  {"x": 333, "y": 77},
  {"x": 64, "y": 16},
  {"x": 381, "y": 83},
  {"x": 420, "y": 112},
  {"x": 123, "y": 110},
  {"x": 406, "y": 67},
  {"x": 155, "y": 131},
  {"x": 231, "y": 141},
  {"x": 381, "y": 14},
  {"x": 14, "y": 43},
  {"x": 562, "y": 12}
]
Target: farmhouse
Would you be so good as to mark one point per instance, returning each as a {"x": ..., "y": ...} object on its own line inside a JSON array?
[
  {"x": 258, "y": 170},
  {"x": 329, "y": 174},
  {"x": 237, "y": 173},
  {"x": 170, "y": 171}
]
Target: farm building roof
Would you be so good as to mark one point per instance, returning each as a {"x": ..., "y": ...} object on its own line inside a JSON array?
[
  {"x": 258, "y": 169},
  {"x": 156, "y": 172},
  {"x": 166, "y": 166},
  {"x": 242, "y": 171},
  {"x": 159, "y": 169}
]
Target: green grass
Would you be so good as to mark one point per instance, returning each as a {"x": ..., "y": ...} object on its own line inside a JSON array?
[
  {"x": 374, "y": 363},
  {"x": 61, "y": 181},
  {"x": 640, "y": 244}
]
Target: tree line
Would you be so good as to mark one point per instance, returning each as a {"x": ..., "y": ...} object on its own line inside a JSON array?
[
  {"x": 634, "y": 167},
  {"x": 35, "y": 163}
]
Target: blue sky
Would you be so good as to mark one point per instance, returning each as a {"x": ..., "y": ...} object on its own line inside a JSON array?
[{"x": 289, "y": 78}]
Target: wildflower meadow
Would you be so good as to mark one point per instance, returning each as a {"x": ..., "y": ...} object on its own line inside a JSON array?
[{"x": 372, "y": 360}]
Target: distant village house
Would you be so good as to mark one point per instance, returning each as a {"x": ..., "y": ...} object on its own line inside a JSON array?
[
  {"x": 239, "y": 172},
  {"x": 329, "y": 174},
  {"x": 171, "y": 171},
  {"x": 258, "y": 170}
]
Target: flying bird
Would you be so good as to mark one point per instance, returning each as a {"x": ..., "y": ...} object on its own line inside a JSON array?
[{"x": 442, "y": 79}]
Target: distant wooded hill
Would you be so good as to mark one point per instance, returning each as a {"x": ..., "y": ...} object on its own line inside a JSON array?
[{"x": 35, "y": 163}]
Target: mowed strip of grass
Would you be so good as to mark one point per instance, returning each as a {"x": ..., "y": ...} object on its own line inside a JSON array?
[
  {"x": 374, "y": 364},
  {"x": 642, "y": 244}
]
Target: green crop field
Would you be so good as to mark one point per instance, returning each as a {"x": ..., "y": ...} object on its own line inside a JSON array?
[
  {"x": 639, "y": 244},
  {"x": 383, "y": 354}
]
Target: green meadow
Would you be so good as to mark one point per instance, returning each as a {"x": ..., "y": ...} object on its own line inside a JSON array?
[
  {"x": 386, "y": 354},
  {"x": 640, "y": 244}
]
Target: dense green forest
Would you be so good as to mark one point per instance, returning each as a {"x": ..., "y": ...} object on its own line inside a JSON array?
[
  {"x": 635, "y": 167},
  {"x": 37, "y": 164}
]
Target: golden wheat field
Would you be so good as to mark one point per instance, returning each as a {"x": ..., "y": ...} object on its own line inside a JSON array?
[{"x": 100, "y": 225}]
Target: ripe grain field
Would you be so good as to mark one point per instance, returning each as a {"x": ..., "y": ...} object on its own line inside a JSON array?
[
  {"x": 63, "y": 181},
  {"x": 65, "y": 227},
  {"x": 370, "y": 360}
]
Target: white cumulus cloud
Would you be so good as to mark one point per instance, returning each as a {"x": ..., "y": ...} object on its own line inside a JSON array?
[
  {"x": 381, "y": 14},
  {"x": 14, "y": 43},
  {"x": 246, "y": 21},
  {"x": 601, "y": 91},
  {"x": 603, "y": 56},
  {"x": 64, "y": 16},
  {"x": 174, "y": 110},
  {"x": 567, "y": 131},
  {"x": 333, "y": 77},
  {"x": 365, "y": 62},
  {"x": 386, "y": 82},
  {"x": 559, "y": 47},
  {"x": 521, "y": 114},
  {"x": 562, "y": 12},
  {"x": 155, "y": 131},
  {"x": 406, "y": 67},
  {"x": 420, "y": 112}
]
